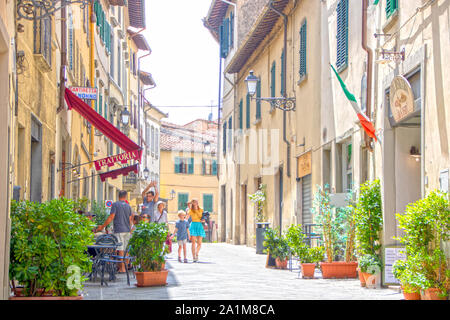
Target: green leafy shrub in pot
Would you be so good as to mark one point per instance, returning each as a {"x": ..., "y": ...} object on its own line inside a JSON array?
[
  {"x": 408, "y": 275},
  {"x": 48, "y": 247},
  {"x": 296, "y": 241},
  {"x": 426, "y": 225},
  {"x": 147, "y": 246},
  {"x": 369, "y": 218},
  {"x": 276, "y": 244},
  {"x": 370, "y": 263},
  {"x": 316, "y": 254}
]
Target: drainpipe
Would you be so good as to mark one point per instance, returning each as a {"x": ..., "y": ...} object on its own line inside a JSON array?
[
  {"x": 92, "y": 71},
  {"x": 62, "y": 79},
  {"x": 140, "y": 98},
  {"x": 369, "y": 69},
  {"x": 288, "y": 145}
]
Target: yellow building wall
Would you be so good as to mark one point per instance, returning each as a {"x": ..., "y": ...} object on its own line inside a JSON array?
[{"x": 194, "y": 184}]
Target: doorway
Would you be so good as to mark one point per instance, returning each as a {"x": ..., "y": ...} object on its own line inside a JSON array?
[
  {"x": 244, "y": 214},
  {"x": 36, "y": 161},
  {"x": 223, "y": 207}
]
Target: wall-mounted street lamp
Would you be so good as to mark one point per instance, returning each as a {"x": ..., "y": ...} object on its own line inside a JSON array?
[
  {"x": 40, "y": 9},
  {"x": 389, "y": 56},
  {"x": 415, "y": 153},
  {"x": 146, "y": 173},
  {"x": 283, "y": 103},
  {"x": 125, "y": 117},
  {"x": 207, "y": 147},
  {"x": 172, "y": 194}
]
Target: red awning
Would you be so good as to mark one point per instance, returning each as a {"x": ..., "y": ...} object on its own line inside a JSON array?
[
  {"x": 102, "y": 125},
  {"x": 122, "y": 171}
]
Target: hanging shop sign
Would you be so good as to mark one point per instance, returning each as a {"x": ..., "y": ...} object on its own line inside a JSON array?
[
  {"x": 119, "y": 172},
  {"x": 304, "y": 165},
  {"x": 86, "y": 93},
  {"x": 401, "y": 98},
  {"x": 122, "y": 158}
]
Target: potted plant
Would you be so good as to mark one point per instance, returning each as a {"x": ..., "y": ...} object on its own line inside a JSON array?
[
  {"x": 147, "y": 247},
  {"x": 410, "y": 279},
  {"x": 100, "y": 213},
  {"x": 277, "y": 247},
  {"x": 310, "y": 260},
  {"x": 48, "y": 250},
  {"x": 370, "y": 267},
  {"x": 259, "y": 201},
  {"x": 426, "y": 226},
  {"x": 368, "y": 220},
  {"x": 333, "y": 224}
]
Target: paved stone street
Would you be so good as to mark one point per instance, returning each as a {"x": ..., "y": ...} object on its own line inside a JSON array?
[{"x": 235, "y": 272}]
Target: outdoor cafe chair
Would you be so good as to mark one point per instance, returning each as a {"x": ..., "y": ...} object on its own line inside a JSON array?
[{"x": 113, "y": 260}]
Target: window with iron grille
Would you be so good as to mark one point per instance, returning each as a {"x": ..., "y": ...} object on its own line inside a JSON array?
[
  {"x": 342, "y": 35},
  {"x": 303, "y": 51}
]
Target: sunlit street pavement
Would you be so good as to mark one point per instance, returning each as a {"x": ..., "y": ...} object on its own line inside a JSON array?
[{"x": 235, "y": 272}]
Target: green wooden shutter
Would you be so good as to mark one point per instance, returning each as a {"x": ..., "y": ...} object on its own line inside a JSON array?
[
  {"x": 177, "y": 165},
  {"x": 303, "y": 50},
  {"x": 100, "y": 105},
  {"x": 272, "y": 80},
  {"x": 106, "y": 110},
  {"x": 224, "y": 138},
  {"x": 214, "y": 167},
  {"x": 258, "y": 102},
  {"x": 282, "y": 91},
  {"x": 247, "y": 115},
  {"x": 191, "y": 166},
  {"x": 342, "y": 35},
  {"x": 203, "y": 167},
  {"x": 391, "y": 6},
  {"x": 230, "y": 130},
  {"x": 231, "y": 29},
  {"x": 182, "y": 200},
  {"x": 224, "y": 38},
  {"x": 241, "y": 115},
  {"x": 208, "y": 202}
]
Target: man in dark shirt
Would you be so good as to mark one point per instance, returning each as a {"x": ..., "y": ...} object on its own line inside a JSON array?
[{"x": 122, "y": 219}]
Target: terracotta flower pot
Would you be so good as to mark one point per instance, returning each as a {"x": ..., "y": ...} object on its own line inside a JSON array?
[
  {"x": 372, "y": 280},
  {"x": 362, "y": 280},
  {"x": 411, "y": 296},
  {"x": 432, "y": 294},
  {"x": 339, "y": 270},
  {"x": 281, "y": 264},
  {"x": 151, "y": 279},
  {"x": 308, "y": 270}
]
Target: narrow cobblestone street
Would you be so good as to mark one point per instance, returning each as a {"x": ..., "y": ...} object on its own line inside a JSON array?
[{"x": 235, "y": 272}]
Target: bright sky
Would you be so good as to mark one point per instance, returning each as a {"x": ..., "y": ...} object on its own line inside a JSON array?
[{"x": 184, "y": 60}]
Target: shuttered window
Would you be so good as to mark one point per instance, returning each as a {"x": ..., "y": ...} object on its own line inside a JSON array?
[
  {"x": 214, "y": 167},
  {"x": 224, "y": 138},
  {"x": 106, "y": 109},
  {"x": 272, "y": 80},
  {"x": 258, "y": 102},
  {"x": 282, "y": 90},
  {"x": 182, "y": 200},
  {"x": 241, "y": 115},
  {"x": 342, "y": 35},
  {"x": 230, "y": 131},
  {"x": 247, "y": 112},
  {"x": 224, "y": 38},
  {"x": 231, "y": 29},
  {"x": 184, "y": 165},
  {"x": 100, "y": 104},
  {"x": 391, "y": 7},
  {"x": 208, "y": 202},
  {"x": 70, "y": 41},
  {"x": 303, "y": 51}
]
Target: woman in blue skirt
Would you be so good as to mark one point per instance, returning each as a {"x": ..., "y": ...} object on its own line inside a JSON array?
[{"x": 196, "y": 229}]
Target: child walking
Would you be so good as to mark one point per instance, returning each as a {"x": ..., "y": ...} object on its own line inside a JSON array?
[{"x": 182, "y": 231}]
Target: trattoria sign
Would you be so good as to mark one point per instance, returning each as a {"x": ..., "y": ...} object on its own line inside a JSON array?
[
  {"x": 401, "y": 98},
  {"x": 304, "y": 165},
  {"x": 122, "y": 158},
  {"x": 85, "y": 92}
]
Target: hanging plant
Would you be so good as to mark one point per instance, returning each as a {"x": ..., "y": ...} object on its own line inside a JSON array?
[{"x": 259, "y": 200}]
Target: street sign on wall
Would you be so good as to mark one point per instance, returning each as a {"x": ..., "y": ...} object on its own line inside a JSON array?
[
  {"x": 85, "y": 92},
  {"x": 108, "y": 203}
]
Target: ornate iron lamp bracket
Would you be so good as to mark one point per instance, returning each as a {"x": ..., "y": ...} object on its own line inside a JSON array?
[
  {"x": 40, "y": 9},
  {"x": 285, "y": 104}
]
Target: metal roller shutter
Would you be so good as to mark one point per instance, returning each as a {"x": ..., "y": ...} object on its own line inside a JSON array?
[{"x": 306, "y": 199}]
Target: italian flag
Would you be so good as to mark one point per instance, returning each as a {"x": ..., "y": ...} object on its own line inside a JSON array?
[{"x": 365, "y": 122}]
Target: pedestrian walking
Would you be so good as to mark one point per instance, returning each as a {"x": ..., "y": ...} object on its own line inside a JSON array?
[
  {"x": 182, "y": 232},
  {"x": 149, "y": 199},
  {"x": 161, "y": 217},
  {"x": 196, "y": 228},
  {"x": 122, "y": 219}
]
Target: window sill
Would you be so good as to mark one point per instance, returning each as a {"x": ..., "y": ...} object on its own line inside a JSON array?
[
  {"x": 302, "y": 79},
  {"x": 391, "y": 21}
]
